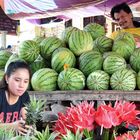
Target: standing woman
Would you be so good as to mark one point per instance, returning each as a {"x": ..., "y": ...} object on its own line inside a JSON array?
[{"x": 13, "y": 96}]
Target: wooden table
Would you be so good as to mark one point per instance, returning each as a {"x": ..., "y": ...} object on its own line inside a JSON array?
[{"x": 106, "y": 95}]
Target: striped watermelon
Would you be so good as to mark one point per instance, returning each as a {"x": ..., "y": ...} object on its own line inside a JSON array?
[
  {"x": 138, "y": 80},
  {"x": 125, "y": 36},
  {"x": 12, "y": 58},
  {"x": 123, "y": 79},
  {"x": 38, "y": 64},
  {"x": 62, "y": 56},
  {"x": 80, "y": 42},
  {"x": 98, "y": 80},
  {"x": 113, "y": 63},
  {"x": 44, "y": 79},
  {"x": 66, "y": 33},
  {"x": 71, "y": 79},
  {"x": 123, "y": 48},
  {"x": 90, "y": 61},
  {"x": 135, "y": 60},
  {"x": 29, "y": 51},
  {"x": 96, "y": 30},
  {"x": 1, "y": 74},
  {"x": 38, "y": 39},
  {"x": 103, "y": 44},
  {"x": 49, "y": 45},
  {"x": 4, "y": 56}
]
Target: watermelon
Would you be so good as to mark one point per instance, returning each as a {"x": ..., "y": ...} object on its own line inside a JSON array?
[
  {"x": 44, "y": 79},
  {"x": 38, "y": 39},
  {"x": 96, "y": 30},
  {"x": 14, "y": 57},
  {"x": 123, "y": 48},
  {"x": 90, "y": 61},
  {"x": 80, "y": 42},
  {"x": 103, "y": 44},
  {"x": 29, "y": 51},
  {"x": 1, "y": 74},
  {"x": 38, "y": 64},
  {"x": 135, "y": 60},
  {"x": 60, "y": 57},
  {"x": 123, "y": 79},
  {"x": 125, "y": 36},
  {"x": 98, "y": 80},
  {"x": 138, "y": 80},
  {"x": 49, "y": 45},
  {"x": 113, "y": 63},
  {"x": 4, "y": 56},
  {"x": 67, "y": 33},
  {"x": 71, "y": 79}
]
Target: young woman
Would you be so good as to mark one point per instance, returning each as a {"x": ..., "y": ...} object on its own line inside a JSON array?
[{"x": 13, "y": 97}]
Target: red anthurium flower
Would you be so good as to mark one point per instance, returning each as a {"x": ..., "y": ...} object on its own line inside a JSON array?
[
  {"x": 137, "y": 135},
  {"x": 107, "y": 116},
  {"x": 126, "y": 136},
  {"x": 127, "y": 111},
  {"x": 62, "y": 124},
  {"x": 77, "y": 117}
]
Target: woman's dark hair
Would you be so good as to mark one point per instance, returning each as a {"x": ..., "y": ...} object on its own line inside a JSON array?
[
  {"x": 117, "y": 8},
  {"x": 12, "y": 67}
]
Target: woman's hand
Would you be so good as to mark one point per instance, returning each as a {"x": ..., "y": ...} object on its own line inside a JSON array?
[{"x": 20, "y": 127}]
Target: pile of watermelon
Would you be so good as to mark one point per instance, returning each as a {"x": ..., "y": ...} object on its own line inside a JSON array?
[{"x": 79, "y": 60}]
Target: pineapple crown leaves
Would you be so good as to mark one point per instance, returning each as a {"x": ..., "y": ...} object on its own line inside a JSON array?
[
  {"x": 34, "y": 109},
  {"x": 72, "y": 136},
  {"x": 4, "y": 135},
  {"x": 46, "y": 135}
]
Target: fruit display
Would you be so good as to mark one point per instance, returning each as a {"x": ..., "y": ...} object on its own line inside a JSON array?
[{"x": 94, "y": 61}]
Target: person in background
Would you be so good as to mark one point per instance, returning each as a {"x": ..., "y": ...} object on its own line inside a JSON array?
[
  {"x": 13, "y": 97},
  {"x": 123, "y": 16},
  {"x": 9, "y": 48}
]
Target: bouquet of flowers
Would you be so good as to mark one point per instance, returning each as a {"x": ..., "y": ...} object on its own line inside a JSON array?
[{"x": 103, "y": 122}]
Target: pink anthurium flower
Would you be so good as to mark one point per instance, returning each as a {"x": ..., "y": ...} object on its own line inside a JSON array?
[{"x": 107, "y": 116}]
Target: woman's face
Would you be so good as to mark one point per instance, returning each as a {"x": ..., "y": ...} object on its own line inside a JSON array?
[
  {"x": 124, "y": 19},
  {"x": 18, "y": 82}
]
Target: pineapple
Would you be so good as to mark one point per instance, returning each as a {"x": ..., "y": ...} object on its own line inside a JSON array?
[
  {"x": 71, "y": 136},
  {"x": 4, "y": 135},
  {"x": 34, "y": 110},
  {"x": 45, "y": 135}
]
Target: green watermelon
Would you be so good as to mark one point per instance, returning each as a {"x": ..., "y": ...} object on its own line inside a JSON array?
[
  {"x": 113, "y": 63},
  {"x": 66, "y": 33},
  {"x": 135, "y": 60},
  {"x": 60, "y": 57},
  {"x": 80, "y": 42},
  {"x": 103, "y": 44},
  {"x": 90, "y": 61},
  {"x": 123, "y": 79},
  {"x": 44, "y": 79},
  {"x": 98, "y": 80},
  {"x": 4, "y": 56},
  {"x": 123, "y": 48},
  {"x": 1, "y": 74},
  {"x": 39, "y": 64},
  {"x": 38, "y": 39},
  {"x": 96, "y": 30},
  {"x": 29, "y": 51},
  {"x": 12, "y": 58},
  {"x": 126, "y": 36},
  {"x": 49, "y": 45},
  {"x": 138, "y": 80},
  {"x": 71, "y": 79}
]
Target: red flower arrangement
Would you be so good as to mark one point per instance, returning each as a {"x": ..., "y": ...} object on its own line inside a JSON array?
[{"x": 85, "y": 117}]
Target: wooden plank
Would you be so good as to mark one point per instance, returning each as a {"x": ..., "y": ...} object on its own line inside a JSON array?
[{"x": 106, "y": 95}]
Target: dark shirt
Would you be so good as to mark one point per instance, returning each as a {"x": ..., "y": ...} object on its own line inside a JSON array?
[
  {"x": 11, "y": 113},
  {"x": 136, "y": 24}
]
